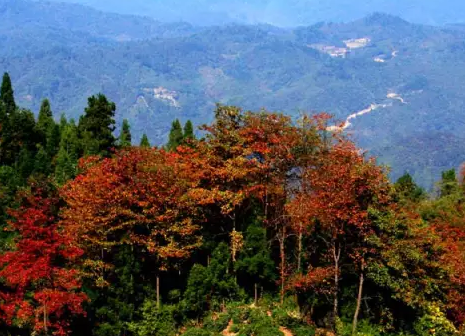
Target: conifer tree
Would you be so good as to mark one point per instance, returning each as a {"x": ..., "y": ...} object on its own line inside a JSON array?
[
  {"x": 7, "y": 94},
  {"x": 449, "y": 184},
  {"x": 255, "y": 262},
  {"x": 42, "y": 162},
  {"x": 96, "y": 126},
  {"x": 407, "y": 189},
  {"x": 125, "y": 137},
  {"x": 67, "y": 157},
  {"x": 188, "y": 130},
  {"x": 45, "y": 116},
  {"x": 19, "y": 132},
  {"x": 176, "y": 135},
  {"x": 144, "y": 142}
]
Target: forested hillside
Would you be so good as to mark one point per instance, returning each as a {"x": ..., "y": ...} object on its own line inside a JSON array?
[
  {"x": 289, "y": 13},
  {"x": 263, "y": 226},
  {"x": 407, "y": 76}
]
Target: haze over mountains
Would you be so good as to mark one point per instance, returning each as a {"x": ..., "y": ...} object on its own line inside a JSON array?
[
  {"x": 283, "y": 12},
  {"x": 401, "y": 84}
]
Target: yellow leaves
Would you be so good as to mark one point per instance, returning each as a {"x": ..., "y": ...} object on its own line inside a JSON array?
[{"x": 237, "y": 243}]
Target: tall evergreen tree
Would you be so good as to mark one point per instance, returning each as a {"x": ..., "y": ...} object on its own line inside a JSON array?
[
  {"x": 68, "y": 153},
  {"x": 144, "y": 142},
  {"x": 42, "y": 162},
  {"x": 96, "y": 126},
  {"x": 407, "y": 189},
  {"x": 176, "y": 135},
  {"x": 45, "y": 116},
  {"x": 449, "y": 184},
  {"x": 125, "y": 138},
  {"x": 7, "y": 94},
  {"x": 255, "y": 264},
  {"x": 188, "y": 130},
  {"x": 18, "y": 133}
]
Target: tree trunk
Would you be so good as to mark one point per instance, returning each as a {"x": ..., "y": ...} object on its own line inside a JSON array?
[
  {"x": 359, "y": 302},
  {"x": 256, "y": 293},
  {"x": 336, "y": 256},
  {"x": 283, "y": 262},
  {"x": 299, "y": 247},
  {"x": 158, "y": 292},
  {"x": 45, "y": 320}
]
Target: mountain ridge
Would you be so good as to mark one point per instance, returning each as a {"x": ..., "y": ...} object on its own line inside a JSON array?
[{"x": 337, "y": 68}]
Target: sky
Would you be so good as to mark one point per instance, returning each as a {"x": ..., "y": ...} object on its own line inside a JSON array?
[{"x": 284, "y": 12}]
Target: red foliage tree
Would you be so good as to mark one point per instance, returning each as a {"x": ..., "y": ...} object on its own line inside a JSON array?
[{"x": 43, "y": 288}]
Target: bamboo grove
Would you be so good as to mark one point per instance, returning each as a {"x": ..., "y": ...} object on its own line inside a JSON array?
[{"x": 277, "y": 217}]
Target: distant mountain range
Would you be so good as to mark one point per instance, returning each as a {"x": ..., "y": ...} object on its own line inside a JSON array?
[
  {"x": 402, "y": 84},
  {"x": 284, "y": 12}
]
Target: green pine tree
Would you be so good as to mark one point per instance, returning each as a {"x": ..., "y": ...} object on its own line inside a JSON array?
[
  {"x": 45, "y": 116},
  {"x": 42, "y": 162},
  {"x": 117, "y": 304},
  {"x": 255, "y": 265},
  {"x": 407, "y": 189},
  {"x": 449, "y": 184},
  {"x": 144, "y": 142},
  {"x": 25, "y": 163},
  {"x": 7, "y": 94},
  {"x": 68, "y": 154},
  {"x": 189, "y": 130},
  {"x": 96, "y": 127},
  {"x": 125, "y": 138},
  {"x": 176, "y": 136},
  {"x": 18, "y": 133}
]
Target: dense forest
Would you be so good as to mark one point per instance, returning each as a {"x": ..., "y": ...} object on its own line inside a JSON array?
[{"x": 253, "y": 225}]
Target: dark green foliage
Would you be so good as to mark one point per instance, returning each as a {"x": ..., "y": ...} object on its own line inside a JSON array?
[
  {"x": 449, "y": 184},
  {"x": 96, "y": 127},
  {"x": 7, "y": 94},
  {"x": 25, "y": 163},
  {"x": 407, "y": 189},
  {"x": 68, "y": 153},
  {"x": 118, "y": 304},
  {"x": 125, "y": 137},
  {"x": 45, "y": 117},
  {"x": 176, "y": 136},
  {"x": 19, "y": 134},
  {"x": 154, "y": 321},
  {"x": 188, "y": 131},
  {"x": 255, "y": 265},
  {"x": 197, "y": 297},
  {"x": 144, "y": 142},
  {"x": 212, "y": 286},
  {"x": 42, "y": 162}
]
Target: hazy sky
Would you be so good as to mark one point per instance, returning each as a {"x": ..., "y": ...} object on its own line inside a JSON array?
[{"x": 284, "y": 12}]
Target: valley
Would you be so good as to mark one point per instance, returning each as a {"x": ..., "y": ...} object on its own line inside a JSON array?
[{"x": 160, "y": 72}]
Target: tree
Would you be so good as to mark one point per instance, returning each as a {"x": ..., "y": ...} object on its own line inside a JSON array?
[
  {"x": 408, "y": 190},
  {"x": 140, "y": 199},
  {"x": 449, "y": 184},
  {"x": 67, "y": 158},
  {"x": 42, "y": 162},
  {"x": 188, "y": 131},
  {"x": 96, "y": 126},
  {"x": 144, "y": 142},
  {"x": 344, "y": 187},
  {"x": 7, "y": 94},
  {"x": 125, "y": 136},
  {"x": 47, "y": 130},
  {"x": 255, "y": 262},
  {"x": 45, "y": 117},
  {"x": 44, "y": 288},
  {"x": 19, "y": 134},
  {"x": 175, "y": 136}
]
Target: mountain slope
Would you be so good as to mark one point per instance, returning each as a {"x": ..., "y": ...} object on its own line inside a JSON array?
[
  {"x": 284, "y": 13},
  {"x": 412, "y": 74}
]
